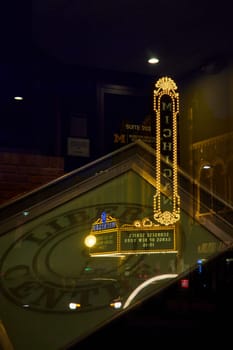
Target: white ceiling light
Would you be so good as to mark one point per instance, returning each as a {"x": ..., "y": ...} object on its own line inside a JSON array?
[
  {"x": 153, "y": 60},
  {"x": 206, "y": 166}
]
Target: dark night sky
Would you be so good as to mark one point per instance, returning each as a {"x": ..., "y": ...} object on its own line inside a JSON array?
[{"x": 44, "y": 41}]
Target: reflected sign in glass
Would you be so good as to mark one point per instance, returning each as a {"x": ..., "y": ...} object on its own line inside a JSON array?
[
  {"x": 105, "y": 243},
  {"x": 154, "y": 240}
]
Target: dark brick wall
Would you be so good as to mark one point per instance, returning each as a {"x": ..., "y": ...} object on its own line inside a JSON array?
[{"x": 21, "y": 173}]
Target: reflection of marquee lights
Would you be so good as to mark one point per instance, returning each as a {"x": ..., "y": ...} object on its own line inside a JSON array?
[
  {"x": 166, "y": 92},
  {"x": 108, "y": 238},
  {"x": 146, "y": 222}
]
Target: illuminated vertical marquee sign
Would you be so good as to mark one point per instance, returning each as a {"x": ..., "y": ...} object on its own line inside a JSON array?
[{"x": 166, "y": 107}]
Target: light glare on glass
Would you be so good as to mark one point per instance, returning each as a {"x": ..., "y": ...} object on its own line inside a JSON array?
[
  {"x": 90, "y": 241},
  {"x": 74, "y": 306}
]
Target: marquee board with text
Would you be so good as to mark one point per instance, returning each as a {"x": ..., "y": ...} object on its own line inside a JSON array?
[{"x": 134, "y": 240}]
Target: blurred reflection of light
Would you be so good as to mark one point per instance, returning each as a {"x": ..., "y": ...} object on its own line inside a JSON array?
[
  {"x": 90, "y": 241},
  {"x": 116, "y": 304},
  {"x": 184, "y": 283},
  {"x": 206, "y": 166},
  {"x": 145, "y": 284},
  {"x": 74, "y": 306}
]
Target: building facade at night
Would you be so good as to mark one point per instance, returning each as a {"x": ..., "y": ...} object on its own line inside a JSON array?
[{"x": 150, "y": 181}]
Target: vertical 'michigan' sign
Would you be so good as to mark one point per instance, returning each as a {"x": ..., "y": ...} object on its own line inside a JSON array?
[
  {"x": 107, "y": 238},
  {"x": 166, "y": 107}
]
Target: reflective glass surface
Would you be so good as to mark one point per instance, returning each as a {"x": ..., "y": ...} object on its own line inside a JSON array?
[{"x": 55, "y": 290}]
